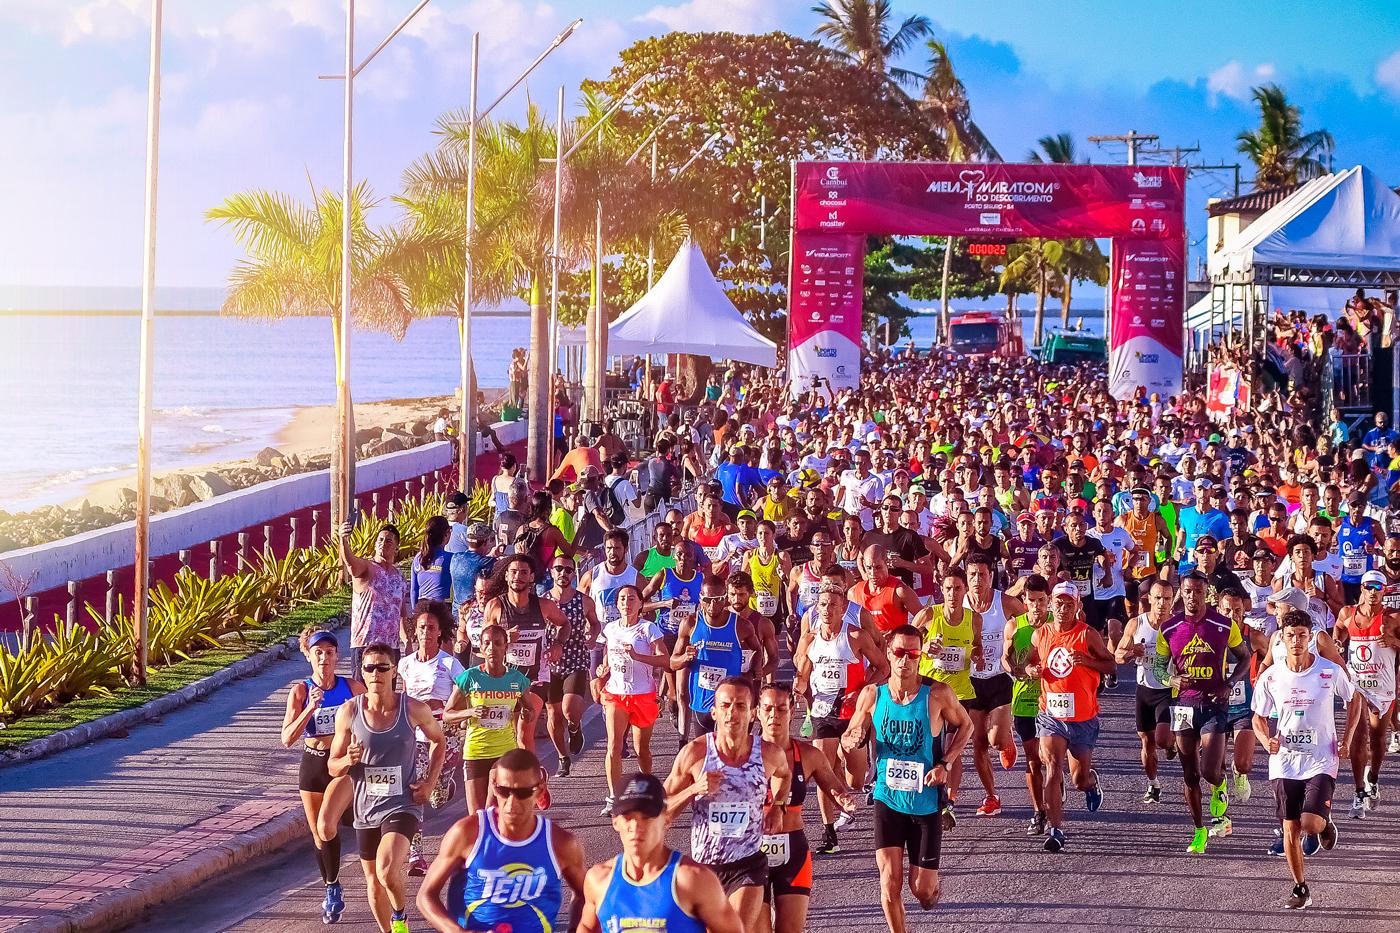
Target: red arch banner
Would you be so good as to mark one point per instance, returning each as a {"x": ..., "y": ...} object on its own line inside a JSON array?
[{"x": 836, "y": 205}]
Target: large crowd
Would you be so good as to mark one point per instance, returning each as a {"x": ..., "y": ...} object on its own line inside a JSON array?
[{"x": 872, "y": 596}]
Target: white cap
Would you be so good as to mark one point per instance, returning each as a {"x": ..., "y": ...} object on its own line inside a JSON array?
[
  {"x": 1290, "y": 595},
  {"x": 1065, "y": 589},
  {"x": 1373, "y": 576}
]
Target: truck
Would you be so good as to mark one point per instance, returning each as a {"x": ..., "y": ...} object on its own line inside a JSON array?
[
  {"x": 1073, "y": 346},
  {"x": 984, "y": 333}
]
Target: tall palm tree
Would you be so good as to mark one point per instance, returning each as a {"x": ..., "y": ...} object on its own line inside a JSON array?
[
  {"x": 1281, "y": 152},
  {"x": 1054, "y": 149},
  {"x": 864, "y": 32},
  {"x": 293, "y": 269}
]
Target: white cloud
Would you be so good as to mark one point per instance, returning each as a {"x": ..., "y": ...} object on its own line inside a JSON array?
[
  {"x": 717, "y": 15},
  {"x": 1235, "y": 81},
  {"x": 1388, "y": 73},
  {"x": 237, "y": 124}
]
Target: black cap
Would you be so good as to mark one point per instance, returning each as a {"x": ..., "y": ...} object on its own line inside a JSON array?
[
  {"x": 643, "y": 793},
  {"x": 459, "y": 499}
]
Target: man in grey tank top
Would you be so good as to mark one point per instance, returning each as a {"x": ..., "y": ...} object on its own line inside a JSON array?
[{"x": 376, "y": 745}]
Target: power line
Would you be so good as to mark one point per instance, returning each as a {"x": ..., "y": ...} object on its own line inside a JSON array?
[{"x": 1130, "y": 138}]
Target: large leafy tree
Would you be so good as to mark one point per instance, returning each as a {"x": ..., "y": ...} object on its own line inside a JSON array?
[
  {"x": 1281, "y": 152},
  {"x": 865, "y": 32}
]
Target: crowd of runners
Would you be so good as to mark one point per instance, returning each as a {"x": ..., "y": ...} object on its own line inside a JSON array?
[{"x": 878, "y": 598}]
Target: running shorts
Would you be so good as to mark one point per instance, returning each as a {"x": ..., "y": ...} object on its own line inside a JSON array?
[
  {"x": 1202, "y": 718},
  {"x": 477, "y": 768},
  {"x": 1024, "y": 726},
  {"x": 989, "y": 693},
  {"x": 1296, "y": 797},
  {"x": 574, "y": 683},
  {"x": 640, "y": 708},
  {"x": 793, "y": 876},
  {"x": 1081, "y": 737},
  {"x": 405, "y": 824},
  {"x": 1097, "y": 612},
  {"x": 921, "y": 837},
  {"x": 829, "y": 727},
  {"x": 1240, "y": 717},
  {"x": 313, "y": 774},
  {"x": 749, "y": 871},
  {"x": 550, "y": 691},
  {"x": 1153, "y": 707}
]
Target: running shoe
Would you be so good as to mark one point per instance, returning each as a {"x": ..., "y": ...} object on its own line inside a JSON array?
[
  {"x": 1055, "y": 840},
  {"x": 1373, "y": 790},
  {"x": 1198, "y": 841},
  {"x": 1037, "y": 824},
  {"x": 1358, "y": 805},
  {"x": 565, "y": 765},
  {"x": 1008, "y": 756},
  {"x": 398, "y": 923},
  {"x": 1394, "y": 742},
  {"x": 334, "y": 904},
  {"x": 1110, "y": 681},
  {"x": 950, "y": 819},
  {"x": 627, "y": 747},
  {"x": 1300, "y": 898},
  {"x": 1219, "y": 800},
  {"x": 442, "y": 794},
  {"x": 1328, "y": 836},
  {"x": 1276, "y": 844},
  {"x": 843, "y": 819},
  {"x": 830, "y": 845},
  {"x": 607, "y": 806},
  {"x": 1093, "y": 797},
  {"x": 1170, "y": 750},
  {"x": 1242, "y": 789},
  {"x": 870, "y": 795},
  {"x": 575, "y": 739},
  {"x": 1221, "y": 827},
  {"x": 1311, "y": 845},
  {"x": 1153, "y": 794},
  {"x": 417, "y": 867},
  {"x": 991, "y": 806},
  {"x": 542, "y": 798}
]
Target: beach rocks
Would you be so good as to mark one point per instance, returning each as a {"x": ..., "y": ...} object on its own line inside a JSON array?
[{"x": 268, "y": 455}]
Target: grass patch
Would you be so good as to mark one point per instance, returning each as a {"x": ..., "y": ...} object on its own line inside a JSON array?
[{"x": 169, "y": 679}]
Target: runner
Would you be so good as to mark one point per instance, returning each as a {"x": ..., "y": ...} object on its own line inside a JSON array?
[
  {"x": 1154, "y": 693},
  {"x": 674, "y": 593},
  {"x": 374, "y": 744},
  {"x": 1201, "y": 643},
  {"x": 760, "y": 665},
  {"x": 603, "y": 581},
  {"x": 831, "y": 663},
  {"x": 379, "y": 594},
  {"x": 636, "y": 650},
  {"x": 990, "y": 706},
  {"x": 1025, "y": 691},
  {"x": 803, "y": 585},
  {"x": 768, "y": 568},
  {"x": 1370, "y": 634},
  {"x": 890, "y": 601},
  {"x": 312, "y": 705},
  {"x": 1070, "y": 658},
  {"x": 650, "y": 886},
  {"x": 505, "y": 867},
  {"x": 1294, "y": 719},
  {"x": 661, "y": 554},
  {"x": 486, "y": 701},
  {"x": 571, "y": 674},
  {"x": 1090, "y": 568},
  {"x": 710, "y": 647},
  {"x": 952, "y": 647},
  {"x": 789, "y": 888},
  {"x": 918, "y": 728},
  {"x": 1234, "y": 605},
  {"x": 734, "y": 783},
  {"x": 1358, "y": 543}
]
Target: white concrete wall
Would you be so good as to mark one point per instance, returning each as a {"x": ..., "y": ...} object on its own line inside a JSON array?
[{"x": 96, "y": 552}]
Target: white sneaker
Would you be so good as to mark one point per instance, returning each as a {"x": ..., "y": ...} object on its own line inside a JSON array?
[
  {"x": 1358, "y": 805},
  {"x": 1395, "y": 742}
]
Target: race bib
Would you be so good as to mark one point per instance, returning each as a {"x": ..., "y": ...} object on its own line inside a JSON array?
[
  {"x": 620, "y": 662},
  {"x": 746, "y": 659},
  {"x": 494, "y": 717},
  {"x": 325, "y": 720},
  {"x": 709, "y": 677},
  {"x": 767, "y": 605},
  {"x": 1371, "y": 680},
  {"x": 522, "y": 653},
  {"x": 1082, "y": 586},
  {"x": 729, "y": 818},
  {"x": 1299, "y": 740},
  {"x": 711, "y": 552},
  {"x": 776, "y": 848},
  {"x": 1354, "y": 565},
  {"x": 1237, "y": 693},
  {"x": 384, "y": 781},
  {"x": 822, "y": 707},
  {"x": 1183, "y": 718},
  {"x": 904, "y": 775},
  {"x": 682, "y": 613},
  {"x": 951, "y": 659},
  {"x": 826, "y": 678},
  {"x": 1060, "y": 705},
  {"x": 1142, "y": 561}
]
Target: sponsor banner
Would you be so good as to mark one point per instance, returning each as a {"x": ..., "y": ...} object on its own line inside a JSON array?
[
  {"x": 824, "y": 306},
  {"x": 1000, "y": 199},
  {"x": 1145, "y": 339},
  {"x": 1226, "y": 390}
]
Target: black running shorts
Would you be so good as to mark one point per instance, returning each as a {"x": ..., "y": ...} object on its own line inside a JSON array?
[
  {"x": 1153, "y": 707},
  {"x": 989, "y": 693},
  {"x": 793, "y": 876},
  {"x": 313, "y": 774},
  {"x": 1296, "y": 797},
  {"x": 405, "y": 824},
  {"x": 750, "y": 871},
  {"x": 921, "y": 837}
]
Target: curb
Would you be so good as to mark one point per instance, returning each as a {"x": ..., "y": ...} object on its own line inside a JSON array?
[
  {"x": 125, "y": 906},
  {"x": 126, "y": 719}
]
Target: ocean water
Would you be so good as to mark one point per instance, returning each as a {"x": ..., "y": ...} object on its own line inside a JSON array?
[{"x": 224, "y": 387}]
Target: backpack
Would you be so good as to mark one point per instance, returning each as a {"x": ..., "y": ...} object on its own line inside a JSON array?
[{"x": 612, "y": 506}]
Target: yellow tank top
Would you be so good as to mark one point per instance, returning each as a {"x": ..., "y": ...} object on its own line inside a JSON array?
[
  {"x": 953, "y": 663},
  {"x": 766, "y": 584},
  {"x": 1144, "y": 532}
]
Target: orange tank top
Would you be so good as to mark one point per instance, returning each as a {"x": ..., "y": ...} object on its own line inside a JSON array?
[
  {"x": 884, "y": 607},
  {"x": 1068, "y": 690},
  {"x": 1144, "y": 533}
]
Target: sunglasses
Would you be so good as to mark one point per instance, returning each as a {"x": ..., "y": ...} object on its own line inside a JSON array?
[
  {"x": 713, "y": 599},
  {"x": 376, "y": 668},
  {"x": 1373, "y": 587},
  {"x": 562, "y": 568},
  {"x": 906, "y": 652},
  {"x": 519, "y": 793}
]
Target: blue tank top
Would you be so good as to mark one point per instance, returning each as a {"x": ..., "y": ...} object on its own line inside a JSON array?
[
  {"x": 323, "y": 723},
  {"x": 718, "y": 656},
  {"x": 507, "y": 885},
  {"x": 905, "y": 750},
  {"x": 685, "y": 592},
  {"x": 651, "y": 907},
  {"x": 1352, "y": 542}
]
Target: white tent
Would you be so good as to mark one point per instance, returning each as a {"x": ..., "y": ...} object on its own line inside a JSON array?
[
  {"x": 1329, "y": 301},
  {"x": 1348, "y": 221},
  {"x": 688, "y": 312}
]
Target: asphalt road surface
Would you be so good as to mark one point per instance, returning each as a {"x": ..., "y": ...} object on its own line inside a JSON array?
[{"x": 1126, "y": 867}]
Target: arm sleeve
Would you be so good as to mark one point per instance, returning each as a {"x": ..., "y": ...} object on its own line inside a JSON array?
[{"x": 1163, "y": 649}]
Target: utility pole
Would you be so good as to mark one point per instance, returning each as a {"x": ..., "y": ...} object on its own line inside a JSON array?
[
  {"x": 1131, "y": 138},
  {"x": 1233, "y": 166},
  {"x": 1176, "y": 152}
]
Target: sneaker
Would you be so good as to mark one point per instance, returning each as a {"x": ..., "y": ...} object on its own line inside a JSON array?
[
  {"x": 843, "y": 819},
  {"x": 1300, "y": 898},
  {"x": 334, "y": 904},
  {"x": 1153, "y": 794},
  {"x": 1276, "y": 844},
  {"x": 575, "y": 742},
  {"x": 442, "y": 794},
  {"x": 1170, "y": 751},
  {"x": 870, "y": 795},
  {"x": 1198, "y": 841},
  {"x": 1394, "y": 742},
  {"x": 1055, "y": 840},
  {"x": 607, "y": 806},
  {"x": 1036, "y": 826},
  {"x": 1219, "y": 800},
  {"x": 1328, "y": 836},
  {"x": 417, "y": 867},
  {"x": 950, "y": 819},
  {"x": 1110, "y": 681},
  {"x": 1221, "y": 827},
  {"x": 991, "y": 806},
  {"x": 565, "y": 765},
  {"x": 1242, "y": 789},
  {"x": 398, "y": 923},
  {"x": 830, "y": 845},
  {"x": 1358, "y": 805},
  {"x": 1008, "y": 756},
  {"x": 1311, "y": 844},
  {"x": 1373, "y": 790},
  {"x": 1093, "y": 797}
]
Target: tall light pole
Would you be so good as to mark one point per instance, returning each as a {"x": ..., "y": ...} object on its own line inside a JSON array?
[
  {"x": 147, "y": 365},
  {"x": 466, "y": 463}
]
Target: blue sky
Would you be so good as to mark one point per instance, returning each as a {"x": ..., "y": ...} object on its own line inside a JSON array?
[{"x": 243, "y": 108}]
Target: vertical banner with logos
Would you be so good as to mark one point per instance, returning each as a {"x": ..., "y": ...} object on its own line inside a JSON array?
[
  {"x": 1145, "y": 346},
  {"x": 824, "y": 308}
]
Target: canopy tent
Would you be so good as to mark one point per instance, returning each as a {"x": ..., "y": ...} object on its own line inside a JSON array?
[
  {"x": 688, "y": 312},
  {"x": 1337, "y": 230},
  {"x": 1223, "y": 311}
]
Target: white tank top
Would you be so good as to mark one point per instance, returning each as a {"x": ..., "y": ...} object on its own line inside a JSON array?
[
  {"x": 1153, "y": 670},
  {"x": 1372, "y": 667},
  {"x": 728, "y": 825},
  {"x": 993, "y": 637},
  {"x": 603, "y": 590},
  {"x": 832, "y": 661},
  {"x": 1257, "y": 616}
]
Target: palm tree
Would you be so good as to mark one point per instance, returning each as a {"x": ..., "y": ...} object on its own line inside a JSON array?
[
  {"x": 1281, "y": 152},
  {"x": 1073, "y": 260},
  {"x": 863, "y": 31},
  {"x": 1029, "y": 265},
  {"x": 1054, "y": 149},
  {"x": 293, "y": 269}
]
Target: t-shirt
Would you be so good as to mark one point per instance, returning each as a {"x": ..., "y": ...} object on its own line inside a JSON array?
[
  {"x": 1117, "y": 542},
  {"x": 1200, "y": 652},
  {"x": 1081, "y": 563},
  {"x": 854, "y": 489},
  {"x": 378, "y": 606},
  {"x": 1302, "y": 705},
  {"x": 626, "y": 675},
  {"x": 431, "y": 679},
  {"x": 1195, "y": 523},
  {"x": 493, "y": 734},
  {"x": 464, "y": 568}
]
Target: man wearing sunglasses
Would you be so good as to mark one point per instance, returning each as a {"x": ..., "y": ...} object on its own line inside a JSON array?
[
  {"x": 1371, "y": 635},
  {"x": 505, "y": 867}
]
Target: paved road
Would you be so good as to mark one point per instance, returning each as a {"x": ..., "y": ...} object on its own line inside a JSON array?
[{"x": 1126, "y": 868}]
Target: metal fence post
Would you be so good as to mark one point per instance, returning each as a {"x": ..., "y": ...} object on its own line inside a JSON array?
[
  {"x": 111, "y": 599},
  {"x": 70, "y": 618},
  {"x": 214, "y": 559}
]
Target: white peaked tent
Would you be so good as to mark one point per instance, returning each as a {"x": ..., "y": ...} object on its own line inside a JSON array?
[{"x": 688, "y": 312}]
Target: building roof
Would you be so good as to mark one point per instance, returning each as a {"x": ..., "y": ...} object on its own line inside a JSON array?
[{"x": 1256, "y": 202}]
